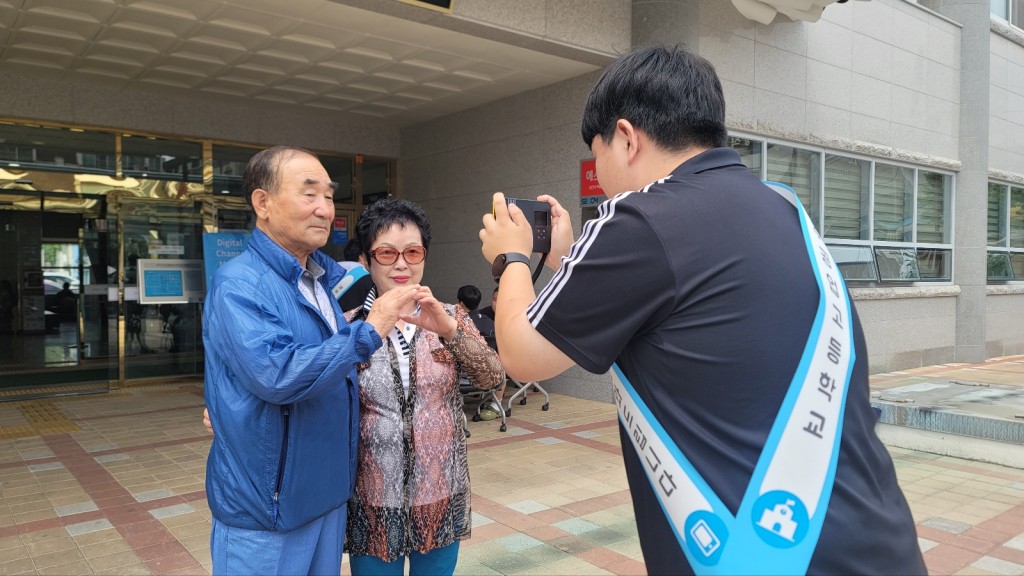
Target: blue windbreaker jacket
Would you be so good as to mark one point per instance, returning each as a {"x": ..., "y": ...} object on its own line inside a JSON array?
[{"x": 281, "y": 390}]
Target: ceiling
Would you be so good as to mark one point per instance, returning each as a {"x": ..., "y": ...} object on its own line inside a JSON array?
[{"x": 314, "y": 54}]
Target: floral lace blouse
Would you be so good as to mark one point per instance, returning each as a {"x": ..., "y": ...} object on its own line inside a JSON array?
[{"x": 412, "y": 485}]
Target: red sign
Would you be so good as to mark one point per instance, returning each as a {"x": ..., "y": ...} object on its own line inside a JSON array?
[
  {"x": 589, "y": 186},
  {"x": 341, "y": 223}
]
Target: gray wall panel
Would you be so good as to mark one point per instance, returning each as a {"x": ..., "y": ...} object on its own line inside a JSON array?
[{"x": 524, "y": 146}]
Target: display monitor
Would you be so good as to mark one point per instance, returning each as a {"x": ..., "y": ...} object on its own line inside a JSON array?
[{"x": 170, "y": 281}]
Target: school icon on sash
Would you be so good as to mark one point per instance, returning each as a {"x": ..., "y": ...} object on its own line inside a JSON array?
[{"x": 780, "y": 519}]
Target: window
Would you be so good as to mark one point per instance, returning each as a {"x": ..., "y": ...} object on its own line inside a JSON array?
[
  {"x": 1016, "y": 215},
  {"x": 1005, "y": 232},
  {"x": 800, "y": 169},
  {"x": 997, "y": 221},
  {"x": 57, "y": 149},
  {"x": 342, "y": 173},
  {"x": 855, "y": 262},
  {"x": 894, "y": 199},
  {"x": 847, "y": 190},
  {"x": 1010, "y": 10},
  {"x": 933, "y": 208},
  {"x": 934, "y": 264},
  {"x": 228, "y": 165},
  {"x": 156, "y": 158},
  {"x": 897, "y": 264},
  {"x": 376, "y": 180},
  {"x": 749, "y": 151},
  {"x": 883, "y": 222}
]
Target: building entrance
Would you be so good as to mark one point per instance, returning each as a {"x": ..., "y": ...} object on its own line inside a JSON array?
[{"x": 54, "y": 293}]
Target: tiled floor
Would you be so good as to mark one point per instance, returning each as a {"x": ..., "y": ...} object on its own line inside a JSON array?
[{"x": 113, "y": 484}]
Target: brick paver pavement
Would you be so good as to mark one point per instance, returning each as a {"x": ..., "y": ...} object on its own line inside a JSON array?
[{"x": 113, "y": 484}]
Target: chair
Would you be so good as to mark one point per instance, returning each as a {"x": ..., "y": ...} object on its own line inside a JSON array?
[
  {"x": 523, "y": 388},
  {"x": 470, "y": 392},
  {"x": 492, "y": 341}
]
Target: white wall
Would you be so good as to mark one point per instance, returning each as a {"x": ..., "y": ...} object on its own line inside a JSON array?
[
  {"x": 1006, "y": 128},
  {"x": 878, "y": 77},
  {"x": 907, "y": 327},
  {"x": 1004, "y": 311}
]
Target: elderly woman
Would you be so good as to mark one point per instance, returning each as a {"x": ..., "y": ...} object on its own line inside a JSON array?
[{"x": 412, "y": 496}]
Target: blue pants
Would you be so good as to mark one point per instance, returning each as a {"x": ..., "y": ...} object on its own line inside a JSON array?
[
  {"x": 312, "y": 549},
  {"x": 437, "y": 562}
]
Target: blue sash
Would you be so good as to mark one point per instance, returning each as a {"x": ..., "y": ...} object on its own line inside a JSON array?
[{"x": 783, "y": 509}]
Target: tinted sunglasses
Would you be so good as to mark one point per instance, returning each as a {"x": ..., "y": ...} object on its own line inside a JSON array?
[{"x": 388, "y": 256}]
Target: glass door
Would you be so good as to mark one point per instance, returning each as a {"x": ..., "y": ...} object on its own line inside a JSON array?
[
  {"x": 51, "y": 316},
  {"x": 161, "y": 287}
]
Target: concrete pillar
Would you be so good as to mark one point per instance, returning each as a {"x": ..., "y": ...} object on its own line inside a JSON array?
[{"x": 969, "y": 256}]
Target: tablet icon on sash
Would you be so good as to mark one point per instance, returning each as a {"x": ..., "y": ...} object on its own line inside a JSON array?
[{"x": 705, "y": 538}]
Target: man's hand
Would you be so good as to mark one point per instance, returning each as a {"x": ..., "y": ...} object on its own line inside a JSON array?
[
  {"x": 507, "y": 230},
  {"x": 561, "y": 232},
  {"x": 432, "y": 316},
  {"x": 387, "y": 308},
  {"x": 206, "y": 420}
]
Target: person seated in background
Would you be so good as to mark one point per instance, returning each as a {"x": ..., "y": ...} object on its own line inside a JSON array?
[
  {"x": 488, "y": 311},
  {"x": 469, "y": 297}
]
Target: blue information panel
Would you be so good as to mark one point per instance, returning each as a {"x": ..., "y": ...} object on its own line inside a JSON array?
[{"x": 164, "y": 283}]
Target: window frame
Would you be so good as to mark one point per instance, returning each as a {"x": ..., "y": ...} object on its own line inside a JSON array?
[
  {"x": 1005, "y": 250},
  {"x": 923, "y": 251},
  {"x": 1012, "y": 12}
]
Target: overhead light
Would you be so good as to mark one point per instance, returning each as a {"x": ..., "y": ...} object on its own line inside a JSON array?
[
  {"x": 225, "y": 191},
  {"x": 14, "y": 164}
]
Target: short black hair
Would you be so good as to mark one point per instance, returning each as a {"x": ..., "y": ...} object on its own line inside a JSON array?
[
  {"x": 470, "y": 296},
  {"x": 351, "y": 251},
  {"x": 378, "y": 217},
  {"x": 262, "y": 170},
  {"x": 671, "y": 94}
]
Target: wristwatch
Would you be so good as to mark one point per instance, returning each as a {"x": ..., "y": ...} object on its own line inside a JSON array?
[{"x": 503, "y": 260}]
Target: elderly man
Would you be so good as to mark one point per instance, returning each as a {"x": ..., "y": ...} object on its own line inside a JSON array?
[{"x": 281, "y": 379}]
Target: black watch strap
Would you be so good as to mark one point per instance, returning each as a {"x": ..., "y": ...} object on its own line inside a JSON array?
[{"x": 503, "y": 260}]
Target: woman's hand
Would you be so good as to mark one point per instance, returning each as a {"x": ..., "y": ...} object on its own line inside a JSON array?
[
  {"x": 432, "y": 315},
  {"x": 387, "y": 308}
]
